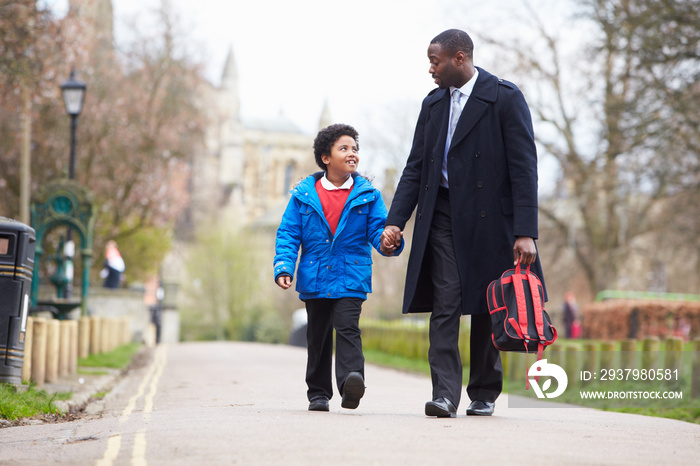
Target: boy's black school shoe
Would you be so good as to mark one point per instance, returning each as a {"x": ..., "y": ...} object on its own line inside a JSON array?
[
  {"x": 353, "y": 389},
  {"x": 319, "y": 403}
]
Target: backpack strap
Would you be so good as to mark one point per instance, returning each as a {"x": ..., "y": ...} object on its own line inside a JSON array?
[
  {"x": 520, "y": 300},
  {"x": 537, "y": 304}
]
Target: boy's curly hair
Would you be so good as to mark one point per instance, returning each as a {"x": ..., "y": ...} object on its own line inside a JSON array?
[{"x": 328, "y": 136}]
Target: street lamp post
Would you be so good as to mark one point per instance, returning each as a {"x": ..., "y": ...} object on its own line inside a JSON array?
[
  {"x": 73, "y": 96},
  {"x": 73, "y": 92}
]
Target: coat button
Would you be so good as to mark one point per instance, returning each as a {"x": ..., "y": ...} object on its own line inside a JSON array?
[
  {"x": 426, "y": 187},
  {"x": 482, "y": 214},
  {"x": 479, "y": 184},
  {"x": 478, "y": 154},
  {"x": 356, "y": 262}
]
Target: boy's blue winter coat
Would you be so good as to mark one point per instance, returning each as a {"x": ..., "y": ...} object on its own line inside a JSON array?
[{"x": 330, "y": 266}]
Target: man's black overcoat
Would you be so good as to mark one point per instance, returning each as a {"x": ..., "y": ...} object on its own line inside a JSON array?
[{"x": 492, "y": 171}]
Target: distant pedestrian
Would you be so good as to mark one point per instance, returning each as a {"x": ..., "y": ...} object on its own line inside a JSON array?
[
  {"x": 335, "y": 216},
  {"x": 570, "y": 312},
  {"x": 114, "y": 266}
]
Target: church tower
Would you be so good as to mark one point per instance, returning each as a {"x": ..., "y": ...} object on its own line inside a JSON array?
[{"x": 325, "y": 119}]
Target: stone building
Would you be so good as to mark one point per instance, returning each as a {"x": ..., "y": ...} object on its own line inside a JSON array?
[{"x": 247, "y": 167}]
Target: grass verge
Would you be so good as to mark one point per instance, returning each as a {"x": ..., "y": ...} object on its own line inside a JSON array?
[
  {"x": 16, "y": 404},
  {"x": 31, "y": 402},
  {"x": 119, "y": 358}
]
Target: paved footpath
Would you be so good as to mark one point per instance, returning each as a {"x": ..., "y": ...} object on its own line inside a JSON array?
[{"x": 245, "y": 403}]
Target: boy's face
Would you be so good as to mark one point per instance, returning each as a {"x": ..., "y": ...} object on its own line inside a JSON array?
[{"x": 343, "y": 159}]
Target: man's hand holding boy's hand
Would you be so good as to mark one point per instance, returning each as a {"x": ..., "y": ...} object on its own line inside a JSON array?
[
  {"x": 284, "y": 281},
  {"x": 391, "y": 239}
]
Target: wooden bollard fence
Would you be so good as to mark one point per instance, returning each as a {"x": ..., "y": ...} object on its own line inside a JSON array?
[
  {"x": 84, "y": 337},
  {"x": 628, "y": 354},
  {"x": 73, "y": 347},
  {"x": 673, "y": 354},
  {"x": 38, "y": 368},
  {"x": 95, "y": 334},
  {"x": 650, "y": 353},
  {"x": 102, "y": 341},
  {"x": 52, "y": 348},
  {"x": 63, "y": 347},
  {"x": 607, "y": 354},
  {"x": 590, "y": 360},
  {"x": 572, "y": 364}
]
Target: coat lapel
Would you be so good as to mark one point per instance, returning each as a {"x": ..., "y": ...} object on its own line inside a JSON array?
[
  {"x": 439, "y": 115},
  {"x": 484, "y": 93}
]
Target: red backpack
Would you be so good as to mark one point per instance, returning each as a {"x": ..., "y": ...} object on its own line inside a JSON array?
[{"x": 518, "y": 319}]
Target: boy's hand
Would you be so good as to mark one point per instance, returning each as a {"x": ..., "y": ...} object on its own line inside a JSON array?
[
  {"x": 391, "y": 239},
  {"x": 284, "y": 281}
]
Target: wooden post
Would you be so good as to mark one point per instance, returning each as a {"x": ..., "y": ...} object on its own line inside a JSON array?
[
  {"x": 63, "y": 347},
  {"x": 650, "y": 353},
  {"x": 84, "y": 337},
  {"x": 607, "y": 353},
  {"x": 95, "y": 334},
  {"x": 590, "y": 358},
  {"x": 104, "y": 335},
  {"x": 673, "y": 353},
  {"x": 27, "y": 363},
  {"x": 40, "y": 328},
  {"x": 52, "y": 349},
  {"x": 572, "y": 364},
  {"x": 73, "y": 358},
  {"x": 695, "y": 376},
  {"x": 628, "y": 354}
]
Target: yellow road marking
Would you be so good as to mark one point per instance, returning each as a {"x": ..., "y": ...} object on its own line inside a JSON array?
[
  {"x": 111, "y": 452},
  {"x": 138, "y": 454}
]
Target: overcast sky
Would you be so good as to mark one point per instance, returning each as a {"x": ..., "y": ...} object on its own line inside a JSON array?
[
  {"x": 358, "y": 55},
  {"x": 293, "y": 55}
]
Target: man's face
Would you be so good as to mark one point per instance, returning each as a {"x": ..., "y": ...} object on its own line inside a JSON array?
[{"x": 443, "y": 67}]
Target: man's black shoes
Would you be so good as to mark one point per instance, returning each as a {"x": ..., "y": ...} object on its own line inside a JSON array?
[
  {"x": 353, "y": 390},
  {"x": 480, "y": 408},
  {"x": 442, "y": 407},
  {"x": 319, "y": 403}
]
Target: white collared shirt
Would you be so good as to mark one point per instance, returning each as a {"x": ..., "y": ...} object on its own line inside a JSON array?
[
  {"x": 465, "y": 92},
  {"x": 328, "y": 186}
]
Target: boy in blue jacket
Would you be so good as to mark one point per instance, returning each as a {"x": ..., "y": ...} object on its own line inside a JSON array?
[{"x": 335, "y": 217}]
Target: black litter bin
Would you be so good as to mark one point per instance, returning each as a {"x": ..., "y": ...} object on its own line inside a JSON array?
[{"x": 17, "y": 245}]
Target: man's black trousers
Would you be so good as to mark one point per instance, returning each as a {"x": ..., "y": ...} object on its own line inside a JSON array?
[{"x": 486, "y": 372}]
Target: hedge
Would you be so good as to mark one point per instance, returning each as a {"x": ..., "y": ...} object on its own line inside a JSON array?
[{"x": 620, "y": 319}]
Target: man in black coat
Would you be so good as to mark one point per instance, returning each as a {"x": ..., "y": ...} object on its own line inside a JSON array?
[{"x": 472, "y": 173}]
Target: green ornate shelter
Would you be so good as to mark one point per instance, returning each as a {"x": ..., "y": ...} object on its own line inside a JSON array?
[{"x": 64, "y": 203}]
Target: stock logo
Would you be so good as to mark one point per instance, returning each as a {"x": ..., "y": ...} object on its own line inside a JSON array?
[{"x": 542, "y": 369}]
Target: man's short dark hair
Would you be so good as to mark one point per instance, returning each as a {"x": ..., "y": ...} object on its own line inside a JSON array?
[
  {"x": 455, "y": 40},
  {"x": 328, "y": 136}
]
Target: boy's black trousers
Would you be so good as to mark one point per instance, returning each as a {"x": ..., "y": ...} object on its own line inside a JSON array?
[{"x": 323, "y": 316}]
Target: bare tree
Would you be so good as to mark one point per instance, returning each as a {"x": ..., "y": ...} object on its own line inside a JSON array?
[
  {"x": 619, "y": 115},
  {"x": 139, "y": 127}
]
